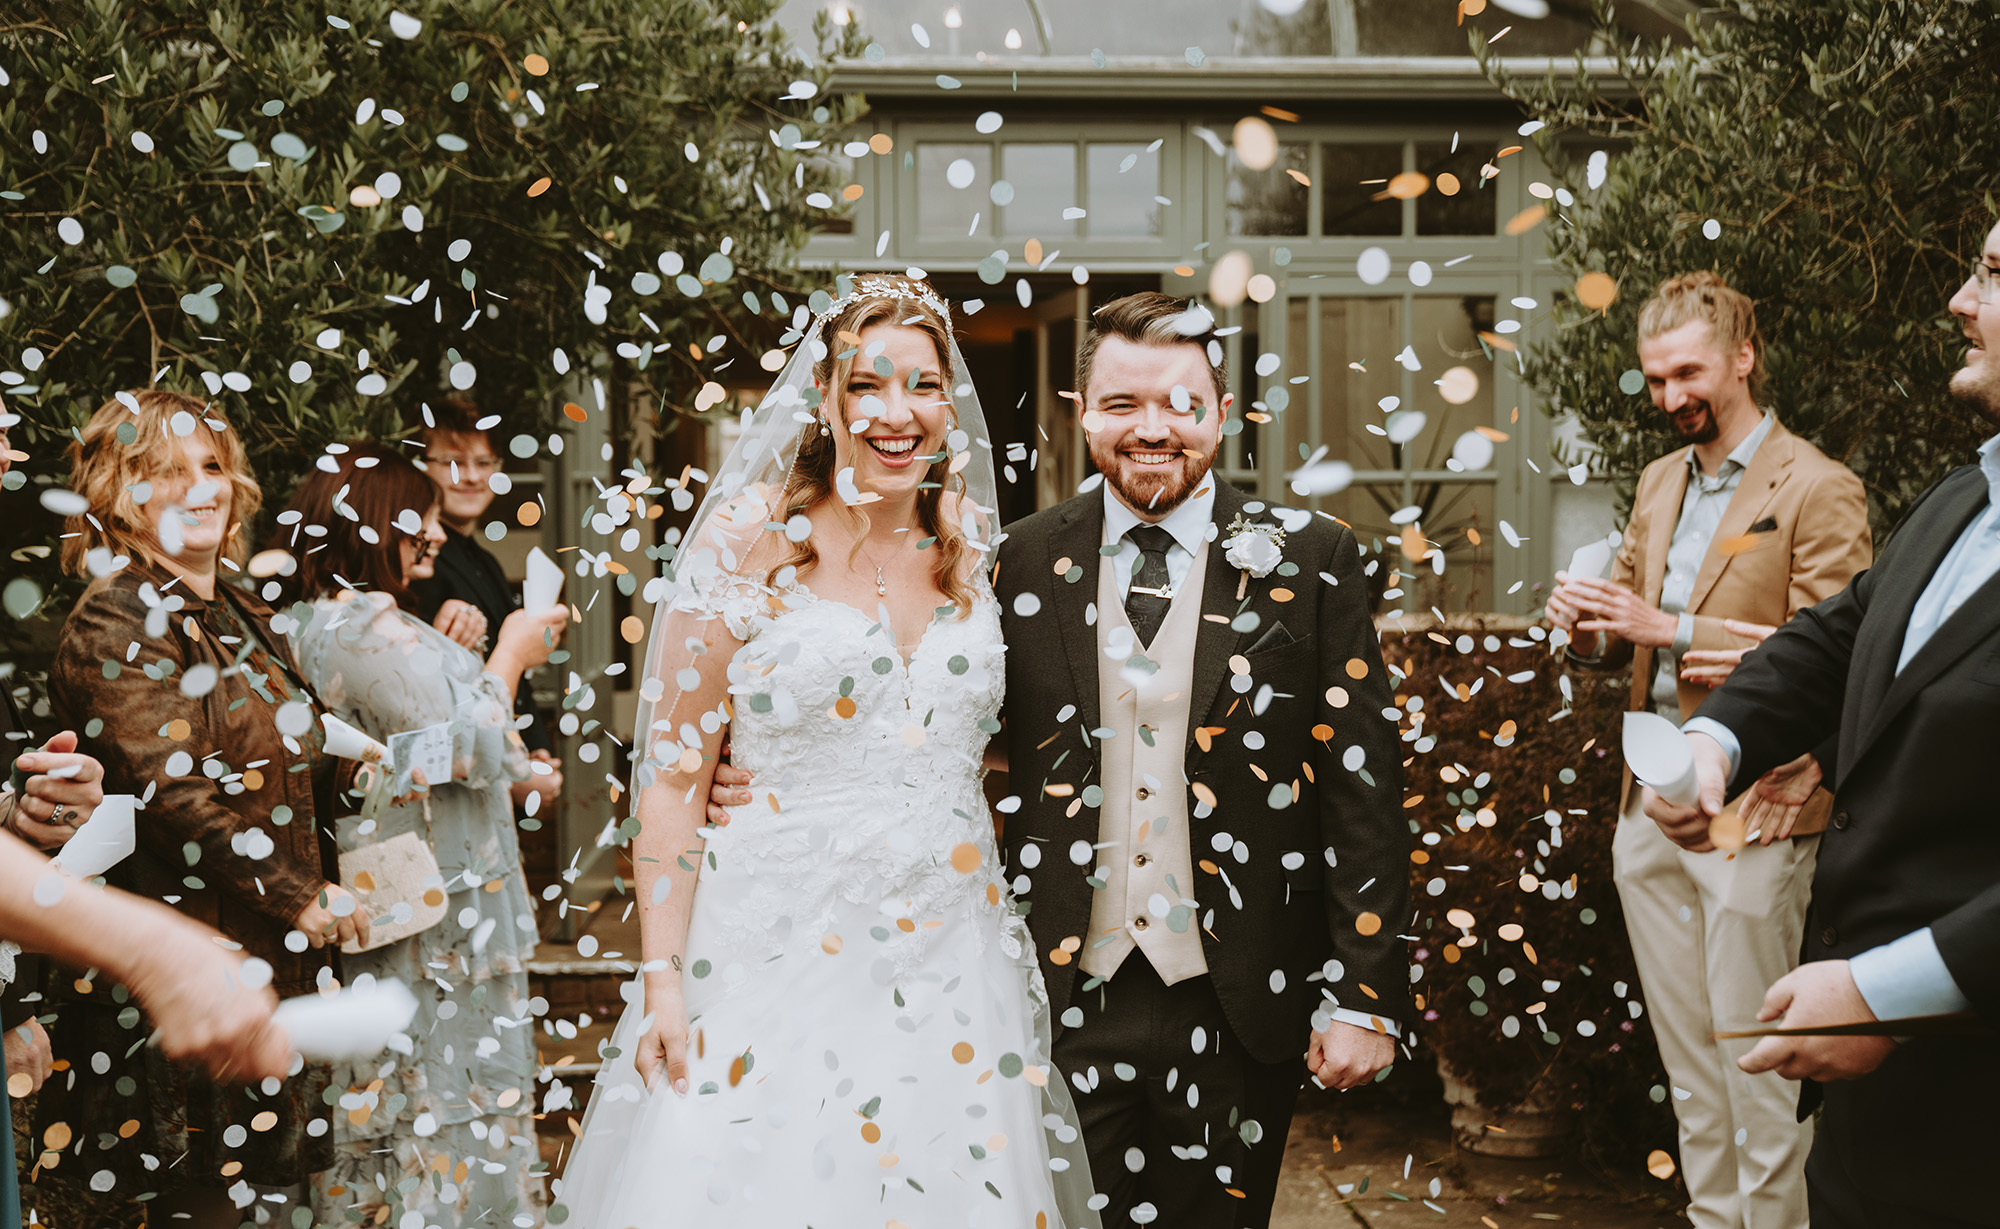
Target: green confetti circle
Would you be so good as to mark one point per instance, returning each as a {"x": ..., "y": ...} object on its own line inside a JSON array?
[
  {"x": 285, "y": 145},
  {"x": 128, "y": 434},
  {"x": 883, "y": 665},
  {"x": 701, "y": 968},
  {"x": 1632, "y": 383},
  {"x": 121, "y": 276},
  {"x": 460, "y": 91},
  {"x": 21, "y": 597},
  {"x": 958, "y": 664},
  {"x": 448, "y": 141}
]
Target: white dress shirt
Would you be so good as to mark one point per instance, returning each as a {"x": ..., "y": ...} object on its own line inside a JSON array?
[{"x": 1188, "y": 524}]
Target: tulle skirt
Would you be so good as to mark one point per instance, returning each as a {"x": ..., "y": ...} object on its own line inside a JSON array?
[{"x": 867, "y": 1074}]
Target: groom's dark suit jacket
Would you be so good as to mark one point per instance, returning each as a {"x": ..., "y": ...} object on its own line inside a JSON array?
[
  {"x": 1350, "y": 833},
  {"x": 1914, "y": 841}
]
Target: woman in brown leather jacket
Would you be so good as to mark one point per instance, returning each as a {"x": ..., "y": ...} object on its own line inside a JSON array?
[{"x": 182, "y": 684}]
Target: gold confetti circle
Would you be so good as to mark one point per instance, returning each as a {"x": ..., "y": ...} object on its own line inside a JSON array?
[
  {"x": 1367, "y": 924},
  {"x": 905, "y": 925},
  {"x": 831, "y": 945},
  {"x": 232, "y": 1168},
  {"x": 881, "y": 143},
  {"x": 1510, "y": 932},
  {"x": 1031, "y": 251},
  {"x": 888, "y": 1160},
  {"x": 433, "y": 897},
  {"x": 1447, "y": 184},
  {"x": 1459, "y": 918},
  {"x": 1058, "y": 956},
  {"x": 530, "y": 514},
  {"x": 845, "y": 707},
  {"x": 1262, "y": 288},
  {"x": 1526, "y": 220},
  {"x": 536, "y": 64},
  {"x": 1322, "y": 731},
  {"x": 632, "y": 628},
  {"x": 965, "y": 857},
  {"x": 1458, "y": 385},
  {"x": 128, "y": 1128},
  {"x": 20, "y": 1084},
  {"x": 178, "y": 729},
  {"x": 264, "y": 1121},
  {"x": 852, "y": 192},
  {"x": 962, "y": 1053},
  {"x": 1356, "y": 668},
  {"x": 539, "y": 186},
  {"x": 574, "y": 412},
  {"x": 1659, "y": 1164},
  {"x": 1596, "y": 291},
  {"x": 364, "y": 197},
  {"x": 1256, "y": 142},
  {"x": 871, "y": 1132},
  {"x": 1409, "y": 185},
  {"x": 1063, "y": 565}
]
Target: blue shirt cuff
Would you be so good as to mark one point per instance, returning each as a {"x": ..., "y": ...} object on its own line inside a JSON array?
[
  {"x": 1907, "y": 978},
  {"x": 1684, "y": 635},
  {"x": 1720, "y": 733}
]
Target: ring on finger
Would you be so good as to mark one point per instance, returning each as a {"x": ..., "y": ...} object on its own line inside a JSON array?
[{"x": 56, "y": 816}]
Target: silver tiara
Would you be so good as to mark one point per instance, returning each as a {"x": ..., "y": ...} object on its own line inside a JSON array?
[{"x": 874, "y": 286}]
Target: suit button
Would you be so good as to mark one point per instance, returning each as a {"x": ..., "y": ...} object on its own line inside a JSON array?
[
  {"x": 1829, "y": 936},
  {"x": 1144, "y": 793},
  {"x": 1142, "y": 859},
  {"x": 1840, "y": 820},
  {"x": 1139, "y": 923}
]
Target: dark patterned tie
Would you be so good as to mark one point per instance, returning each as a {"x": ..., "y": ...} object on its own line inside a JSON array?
[{"x": 1146, "y": 601}]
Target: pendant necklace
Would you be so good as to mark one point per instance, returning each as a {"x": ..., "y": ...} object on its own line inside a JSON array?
[{"x": 881, "y": 585}]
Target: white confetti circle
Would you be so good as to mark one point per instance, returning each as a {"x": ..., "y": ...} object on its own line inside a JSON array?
[
  {"x": 1372, "y": 266},
  {"x": 71, "y": 231},
  {"x": 959, "y": 175}
]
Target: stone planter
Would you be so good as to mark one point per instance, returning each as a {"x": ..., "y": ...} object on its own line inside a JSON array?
[{"x": 1539, "y": 1126}]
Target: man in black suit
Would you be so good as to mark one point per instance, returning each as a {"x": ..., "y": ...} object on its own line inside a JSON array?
[
  {"x": 1903, "y": 668},
  {"x": 1206, "y": 818},
  {"x": 469, "y": 594}
]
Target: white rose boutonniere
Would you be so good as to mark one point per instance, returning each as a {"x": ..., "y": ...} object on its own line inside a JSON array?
[{"x": 1255, "y": 549}]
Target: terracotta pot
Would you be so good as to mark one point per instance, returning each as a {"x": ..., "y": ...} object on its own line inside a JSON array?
[{"x": 1539, "y": 1126}]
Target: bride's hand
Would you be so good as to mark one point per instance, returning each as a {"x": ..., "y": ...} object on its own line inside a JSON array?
[{"x": 665, "y": 1045}]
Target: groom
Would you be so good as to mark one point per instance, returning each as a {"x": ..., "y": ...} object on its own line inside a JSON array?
[{"x": 1209, "y": 833}]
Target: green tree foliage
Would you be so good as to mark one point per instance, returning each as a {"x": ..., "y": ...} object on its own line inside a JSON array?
[
  {"x": 322, "y": 214},
  {"x": 1846, "y": 148}
]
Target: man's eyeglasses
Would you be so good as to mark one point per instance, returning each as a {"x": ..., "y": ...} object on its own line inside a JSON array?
[
  {"x": 479, "y": 466},
  {"x": 1986, "y": 278}
]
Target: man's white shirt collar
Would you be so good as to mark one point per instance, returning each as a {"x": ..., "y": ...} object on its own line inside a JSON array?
[{"x": 1188, "y": 524}]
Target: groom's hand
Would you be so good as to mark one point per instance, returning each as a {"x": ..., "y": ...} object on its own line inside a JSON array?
[
  {"x": 1346, "y": 1055},
  {"x": 731, "y": 789}
]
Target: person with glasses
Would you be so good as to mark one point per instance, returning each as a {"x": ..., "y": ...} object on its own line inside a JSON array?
[
  {"x": 469, "y": 595},
  {"x": 1730, "y": 534},
  {"x": 1900, "y": 671}
]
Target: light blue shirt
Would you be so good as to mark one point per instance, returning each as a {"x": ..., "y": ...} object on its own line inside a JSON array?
[
  {"x": 1908, "y": 977},
  {"x": 1707, "y": 498}
]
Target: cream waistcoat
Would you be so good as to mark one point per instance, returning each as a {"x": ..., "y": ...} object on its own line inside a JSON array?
[{"x": 1144, "y": 857}]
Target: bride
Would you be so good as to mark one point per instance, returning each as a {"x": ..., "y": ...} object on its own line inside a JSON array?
[{"x": 839, "y": 1021}]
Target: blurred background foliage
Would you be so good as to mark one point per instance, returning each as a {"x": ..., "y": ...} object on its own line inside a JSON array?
[{"x": 1845, "y": 149}]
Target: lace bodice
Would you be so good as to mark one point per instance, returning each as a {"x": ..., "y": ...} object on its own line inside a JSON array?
[{"x": 868, "y": 773}]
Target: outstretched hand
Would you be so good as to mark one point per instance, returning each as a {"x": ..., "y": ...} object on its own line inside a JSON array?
[{"x": 1688, "y": 826}]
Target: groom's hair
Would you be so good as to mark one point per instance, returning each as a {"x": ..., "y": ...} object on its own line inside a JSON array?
[{"x": 1150, "y": 318}]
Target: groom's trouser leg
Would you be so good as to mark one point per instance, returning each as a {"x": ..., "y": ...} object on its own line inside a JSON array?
[
  {"x": 1709, "y": 934},
  {"x": 1162, "y": 1144}
]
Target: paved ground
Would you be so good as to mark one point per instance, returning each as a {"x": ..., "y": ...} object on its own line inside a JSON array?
[{"x": 1379, "y": 1141}]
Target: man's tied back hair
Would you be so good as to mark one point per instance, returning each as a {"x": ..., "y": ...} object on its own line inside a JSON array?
[
  {"x": 1731, "y": 317},
  {"x": 1151, "y": 318}
]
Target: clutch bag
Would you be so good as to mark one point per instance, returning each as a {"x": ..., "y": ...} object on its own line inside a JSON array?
[{"x": 396, "y": 881}]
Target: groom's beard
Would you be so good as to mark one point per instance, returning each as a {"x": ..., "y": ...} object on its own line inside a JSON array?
[{"x": 1152, "y": 489}]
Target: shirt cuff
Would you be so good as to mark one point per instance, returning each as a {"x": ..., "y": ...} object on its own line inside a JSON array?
[
  {"x": 1361, "y": 1019},
  {"x": 1684, "y": 634},
  {"x": 1907, "y": 978},
  {"x": 1720, "y": 733}
]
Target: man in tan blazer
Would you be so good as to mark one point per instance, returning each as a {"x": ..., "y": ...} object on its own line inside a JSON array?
[{"x": 1730, "y": 535}]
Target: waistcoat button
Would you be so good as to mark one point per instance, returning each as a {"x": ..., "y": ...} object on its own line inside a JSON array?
[
  {"x": 1829, "y": 936},
  {"x": 1840, "y": 820}
]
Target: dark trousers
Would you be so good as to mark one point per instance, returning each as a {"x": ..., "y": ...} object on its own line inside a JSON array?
[
  {"x": 1912, "y": 1144},
  {"x": 1172, "y": 1098}
]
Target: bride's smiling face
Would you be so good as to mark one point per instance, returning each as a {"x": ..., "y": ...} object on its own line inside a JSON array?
[{"x": 894, "y": 411}]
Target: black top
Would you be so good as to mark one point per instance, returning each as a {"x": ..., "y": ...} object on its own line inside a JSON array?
[
  {"x": 469, "y": 572},
  {"x": 1912, "y": 842}
]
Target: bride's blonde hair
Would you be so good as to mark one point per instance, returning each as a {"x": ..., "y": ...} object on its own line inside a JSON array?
[{"x": 812, "y": 478}]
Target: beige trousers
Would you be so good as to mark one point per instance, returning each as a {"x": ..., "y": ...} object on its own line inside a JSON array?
[{"x": 1710, "y": 933}]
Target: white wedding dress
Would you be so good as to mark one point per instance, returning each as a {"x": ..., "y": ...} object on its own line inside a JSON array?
[{"x": 872, "y": 1030}]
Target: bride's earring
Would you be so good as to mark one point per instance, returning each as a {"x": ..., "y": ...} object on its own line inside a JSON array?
[{"x": 824, "y": 428}]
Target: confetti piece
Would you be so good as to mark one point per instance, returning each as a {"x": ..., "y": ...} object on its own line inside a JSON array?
[
  {"x": 539, "y": 186},
  {"x": 1526, "y": 220},
  {"x": 1596, "y": 291},
  {"x": 536, "y": 64}
]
